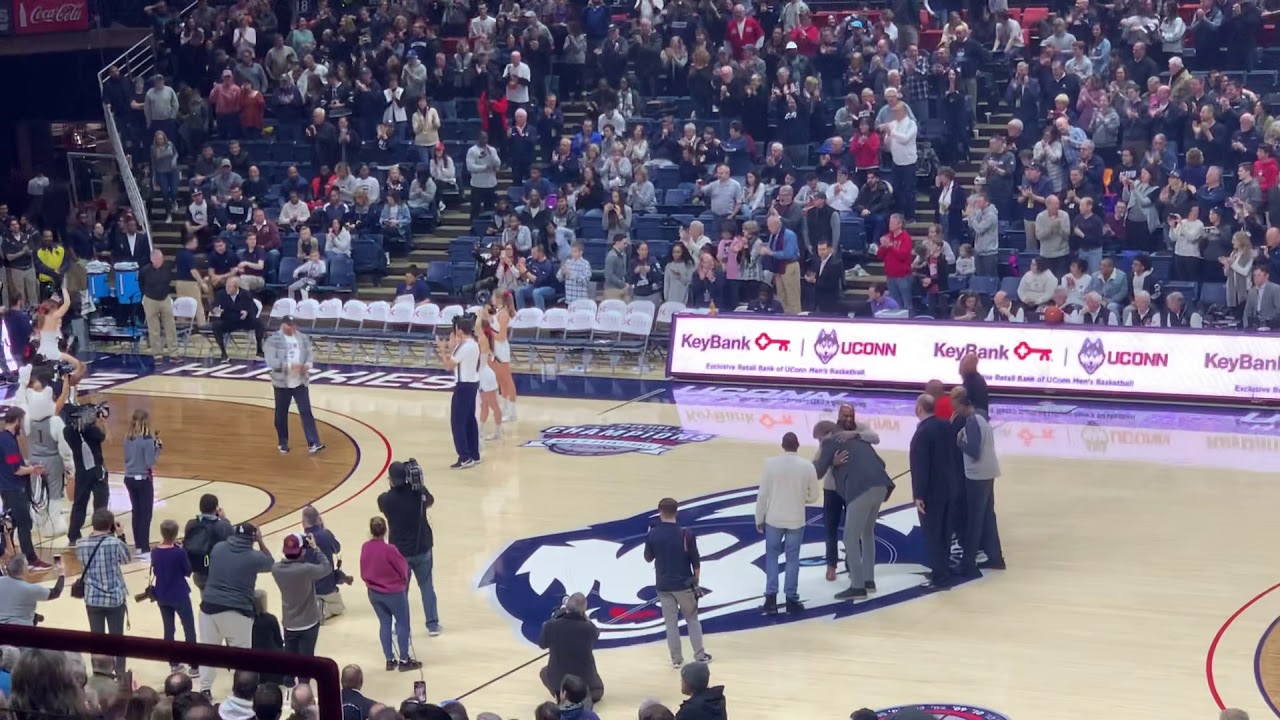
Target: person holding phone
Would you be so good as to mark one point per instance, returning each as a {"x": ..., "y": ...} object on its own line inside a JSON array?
[
  {"x": 170, "y": 568},
  {"x": 18, "y": 597}
]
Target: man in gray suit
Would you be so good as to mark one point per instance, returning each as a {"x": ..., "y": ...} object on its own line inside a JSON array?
[
  {"x": 863, "y": 484},
  {"x": 1263, "y": 307},
  {"x": 289, "y": 357}
]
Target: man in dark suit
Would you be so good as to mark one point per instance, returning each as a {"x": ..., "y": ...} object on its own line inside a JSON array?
[
  {"x": 235, "y": 310},
  {"x": 949, "y": 202},
  {"x": 933, "y": 466},
  {"x": 355, "y": 706},
  {"x": 570, "y": 638},
  {"x": 864, "y": 485},
  {"x": 826, "y": 272},
  {"x": 1262, "y": 309},
  {"x": 131, "y": 244}
]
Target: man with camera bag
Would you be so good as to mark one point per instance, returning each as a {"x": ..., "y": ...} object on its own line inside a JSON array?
[
  {"x": 227, "y": 607},
  {"x": 101, "y": 582},
  {"x": 296, "y": 575},
  {"x": 15, "y": 486},
  {"x": 204, "y": 531},
  {"x": 673, "y": 550},
  {"x": 331, "y": 604},
  {"x": 569, "y": 637},
  {"x": 405, "y": 506},
  {"x": 84, "y": 433}
]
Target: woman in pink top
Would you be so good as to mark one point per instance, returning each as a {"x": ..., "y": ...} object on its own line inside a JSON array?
[
  {"x": 728, "y": 252},
  {"x": 386, "y": 574}
]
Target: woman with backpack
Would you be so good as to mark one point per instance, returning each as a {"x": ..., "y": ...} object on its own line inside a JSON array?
[{"x": 170, "y": 568}]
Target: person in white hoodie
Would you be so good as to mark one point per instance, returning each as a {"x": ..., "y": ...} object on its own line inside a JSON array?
[
  {"x": 843, "y": 193},
  {"x": 1187, "y": 234},
  {"x": 1004, "y": 310},
  {"x": 239, "y": 705},
  {"x": 789, "y": 484},
  {"x": 1037, "y": 286}
]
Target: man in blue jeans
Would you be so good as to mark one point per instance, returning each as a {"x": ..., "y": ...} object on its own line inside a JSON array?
[
  {"x": 405, "y": 507},
  {"x": 789, "y": 484}
]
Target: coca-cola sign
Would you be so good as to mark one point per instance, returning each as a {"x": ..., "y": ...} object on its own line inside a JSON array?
[{"x": 36, "y": 17}]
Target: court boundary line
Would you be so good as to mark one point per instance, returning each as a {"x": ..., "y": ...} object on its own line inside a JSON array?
[
  {"x": 1217, "y": 639},
  {"x": 1257, "y": 666},
  {"x": 639, "y": 398}
]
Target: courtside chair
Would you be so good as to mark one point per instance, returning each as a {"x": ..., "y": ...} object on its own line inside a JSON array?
[
  {"x": 606, "y": 330},
  {"x": 447, "y": 314},
  {"x": 642, "y": 307},
  {"x": 399, "y": 327},
  {"x": 351, "y": 323},
  {"x": 184, "y": 318},
  {"x": 662, "y": 325},
  {"x": 550, "y": 333},
  {"x": 422, "y": 327},
  {"x": 634, "y": 338},
  {"x": 305, "y": 312},
  {"x": 583, "y": 304},
  {"x": 577, "y": 335},
  {"x": 374, "y": 331},
  {"x": 279, "y": 309},
  {"x": 523, "y": 328},
  {"x": 612, "y": 305},
  {"x": 325, "y": 328}
]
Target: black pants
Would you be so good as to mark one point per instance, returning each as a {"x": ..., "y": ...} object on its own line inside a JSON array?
[
  {"x": 142, "y": 494},
  {"x": 91, "y": 483},
  {"x": 225, "y": 326},
  {"x": 302, "y": 396},
  {"x": 18, "y": 504},
  {"x": 109, "y": 621},
  {"x": 302, "y": 642},
  {"x": 462, "y": 420},
  {"x": 832, "y": 514},
  {"x": 482, "y": 199},
  {"x": 981, "y": 532},
  {"x": 936, "y": 524},
  {"x": 1186, "y": 268}
]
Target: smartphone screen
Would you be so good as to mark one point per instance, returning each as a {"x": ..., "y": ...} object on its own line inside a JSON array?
[
  {"x": 57, "y": 559},
  {"x": 420, "y": 691}
]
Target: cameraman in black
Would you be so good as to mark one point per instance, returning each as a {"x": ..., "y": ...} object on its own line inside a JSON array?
[
  {"x": 405, "y": 506},
  {"x": 85, "y": 433},
  {"x": 570, "y": 639}
]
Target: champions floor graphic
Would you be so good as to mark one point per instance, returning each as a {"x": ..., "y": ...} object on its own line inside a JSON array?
[{"x": 531, "y": 577}]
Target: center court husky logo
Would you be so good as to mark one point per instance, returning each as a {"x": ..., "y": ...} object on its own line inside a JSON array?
[
  {"x": 531, "y": 577},
  {"x": 945, "y": 712},
  {"x": 1092, "y": 355},
  {"x": 595, "y": 440},
  {"x": 827, "y": 346}
]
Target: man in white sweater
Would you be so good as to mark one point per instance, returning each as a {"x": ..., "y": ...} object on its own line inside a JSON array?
[{"x": 789, "y": 484}]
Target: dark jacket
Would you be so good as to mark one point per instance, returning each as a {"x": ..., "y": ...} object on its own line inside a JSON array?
[
  {"x": 706, "y": 705},
  {"x": 933, "y": 461},
  {"x": 355, "y": 706},
  {"x": 863, "y": 471},
  {"x": 329, "y": 546},
  {"x": 570, "y": 638},
  {"x": 232, "y": 307},
  {"x": 828, "y": 283}
]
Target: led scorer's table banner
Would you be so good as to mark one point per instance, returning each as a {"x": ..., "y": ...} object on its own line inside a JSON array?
[{"x": 1063, "y": 359}]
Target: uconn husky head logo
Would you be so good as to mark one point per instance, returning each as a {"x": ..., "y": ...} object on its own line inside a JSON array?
[
  {"x": 531, "y": 577},
  {"x": 593, "y": 440},
  {"x": 827, "y": 346},
  {"x": 945, "y": 712},
  {"x": 1092, "y": 355}
]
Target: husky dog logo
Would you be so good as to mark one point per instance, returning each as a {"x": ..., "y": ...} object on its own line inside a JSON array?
[
  {"x": 1092, "y": 355},
  {"x": 531, "y": 577},
  {"x": 944, "y": 711},
  {"x": 595, "y": 440},
  {"x": 827, "y": 346}
]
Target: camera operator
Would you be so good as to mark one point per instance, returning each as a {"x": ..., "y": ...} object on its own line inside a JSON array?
[
  {"x": 296, "y": 575},
  {"x": 18, "y": 597},
  {"x": 228, "y": 607},
  {"x": 405, "y": 506},
  {"x": 201, "y": 534},
  {"x": 104, "y": 592},
  {"x": 85, "y": 432},
  {"x": 327, "y": 593},
  {"x": 570, "y": 639},
  {"x": 15, "y": 486}
]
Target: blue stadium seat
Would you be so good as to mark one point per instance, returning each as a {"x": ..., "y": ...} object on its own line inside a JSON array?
[
  {"x": 287, "y": 265},
  {"x": 1213, "y": 295},
  {"x": 984, "y": 285},
  {"x": 367, "y": 254},
  {"x": 342, "y": 274},
  {"x": 1010, "y": 286}
]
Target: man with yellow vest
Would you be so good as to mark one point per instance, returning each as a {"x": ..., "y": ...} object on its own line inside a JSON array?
[{"x": 51, "y": 258}]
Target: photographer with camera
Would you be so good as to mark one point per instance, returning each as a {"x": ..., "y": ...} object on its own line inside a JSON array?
[
  {"x": 84, "y": 432},
  {"x": 673, "y": 550},
  {"x": 570, "y": 638},
  {"x": 405, "y": 506},
  {"x": 331, "y": 604},
  {"x": 18, "y": 597},
  {"x": 228, "y": 608},
  {"x": 101, "y": 582},
  {"x": 296, "y": 575},
  {"x": 142, "y": 447},
  {"x": 170, "y": 568},
  {"x": 15, "y": 487},
  {"x": 201, "y": 534}
]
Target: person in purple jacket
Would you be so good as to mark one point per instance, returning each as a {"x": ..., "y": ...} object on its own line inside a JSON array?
[{"x": 171, "y": 568}]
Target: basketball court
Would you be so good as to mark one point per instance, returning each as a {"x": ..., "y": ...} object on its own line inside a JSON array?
[{"x": 1140, "y": 543}]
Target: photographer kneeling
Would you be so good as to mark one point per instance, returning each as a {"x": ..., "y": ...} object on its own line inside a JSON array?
[
  {"x": 570, "y": 639},
  {"x": 405, "y": 506}
]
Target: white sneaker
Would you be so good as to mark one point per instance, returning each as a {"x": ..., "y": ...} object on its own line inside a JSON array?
[
  {"x": 142, "y": 557},
  {"x": 509, "y": 414}
]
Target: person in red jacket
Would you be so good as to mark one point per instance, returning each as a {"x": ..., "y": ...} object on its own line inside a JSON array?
[
  {"x": 385, "y": 573},
  {"x": 742, "y": 31},
  {"x": 1266, "y": 169},
  {"x": 805, "y": 35},
  {"x": 895, "y": 252},
  {"x": 865, "y": 149}
]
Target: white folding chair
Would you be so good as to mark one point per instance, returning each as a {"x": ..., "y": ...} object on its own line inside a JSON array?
[
  {"x": 583, "y": 304},
  {"x": 422, "y": 326},
  {"x": 374, "y": 329},
  {"x": 184, "y": 319},
  {"x": 612, "y": 305}
]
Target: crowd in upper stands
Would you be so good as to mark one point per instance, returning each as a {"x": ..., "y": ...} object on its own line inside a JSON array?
[{"x": 728, "y": 144}]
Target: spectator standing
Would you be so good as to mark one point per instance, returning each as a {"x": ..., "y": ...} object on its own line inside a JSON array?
[
  {"x": 1262, "y": 308},
  {"x": 784, "y": 250},
  {"x": 385, "y": 573},
  {"x": 296, "y": 574},
  {"x": 164, "y": 167},
  {"x": 170, "y": 568},
  {"x": 677, "y": 275},
  {"x": 201, "y": 534},
  {"x": 895, "y": 250},
  {"x": 483, "y": 163},
  {"x": 1053, "y": 230},
  {"x": 981, "y": 468},
  {"x": 789, "y": 484},
  {"x": 984, "y": 224},
  {"x": 410, "y": 532},
  {"x": 228, "y": 606},
  {"x": 677, "y": 565},
  {"x": 575, "y": 273},
  {"x": 162, "y": 331},
  {"x": 615, "y": 270},
  {"x": 569, "y": 638},
  {"x": 141, "y": 450},
  {"x": 900, "y": 137},
  {"x": 101, "y": 554}
]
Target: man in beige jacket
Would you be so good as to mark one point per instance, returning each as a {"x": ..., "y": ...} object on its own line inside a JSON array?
[{"x": 789, "y": 484}]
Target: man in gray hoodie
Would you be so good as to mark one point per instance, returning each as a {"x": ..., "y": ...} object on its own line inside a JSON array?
[
  {"x": 227, "y": 607},
  {"x": 483, "y": 163},
  {"x": 615, "y": 270},
  {"x": 864, "y": 484},
  {"x": 296, "y": 575},
  {"x": 981, "y": 468}
]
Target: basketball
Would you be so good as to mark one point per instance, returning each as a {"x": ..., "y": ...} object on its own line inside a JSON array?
[{"x": 1053, "y": 315}]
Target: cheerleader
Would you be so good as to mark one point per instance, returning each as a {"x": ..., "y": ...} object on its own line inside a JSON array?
[
  {"x": 505, "y": 311},
  {"x": 141, "y": 449},
  {"x": 488, "y": 381},
  {"x": 49, "y": 323}
]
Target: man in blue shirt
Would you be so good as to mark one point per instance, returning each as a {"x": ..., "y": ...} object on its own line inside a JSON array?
[
  {"x": 414, "y": 285},
  {"x": 15, "y": 488},
  {"x": 673, "y": 551},
  {"x": 538, "y": 275},
  {"x": 785, "y": 251}
]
